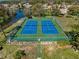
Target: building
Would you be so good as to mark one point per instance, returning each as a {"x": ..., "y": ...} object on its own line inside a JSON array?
[{"x": 64, "y": 8}]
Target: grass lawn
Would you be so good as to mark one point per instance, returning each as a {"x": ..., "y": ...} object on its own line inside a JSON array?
[
  {"x": 67, "y": 22},
  {"x": 7, "y": 30},
  {"x": 66, "y": 53},
  {"x": 63, "y": 42},
  {"x": 8, "y": 51}
]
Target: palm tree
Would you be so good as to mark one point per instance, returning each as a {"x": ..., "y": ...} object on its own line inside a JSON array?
[{"x": 1, "y": 21}]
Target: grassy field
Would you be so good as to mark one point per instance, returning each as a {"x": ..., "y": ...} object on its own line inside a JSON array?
[
  {"x": 9, "y": 29},
  {"x": 68, "y": 22},
  {"x": 8, "y": 51},
  {"x": 61, "y": 54},
  {"x": 48, "y": 52}
]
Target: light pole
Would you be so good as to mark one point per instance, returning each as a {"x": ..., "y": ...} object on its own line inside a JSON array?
[{"x": 39, "y": 51}]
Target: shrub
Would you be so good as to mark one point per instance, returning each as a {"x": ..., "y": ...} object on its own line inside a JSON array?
[
  {"x": 73, "y": 10},
  {"x": 19, "y": 54}
]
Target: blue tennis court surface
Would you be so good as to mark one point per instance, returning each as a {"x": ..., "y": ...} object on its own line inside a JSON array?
[
  {"x": 44, "y": 29},
  {"x": 30, "y": 27},
  {"x": 48, "y": 27}
]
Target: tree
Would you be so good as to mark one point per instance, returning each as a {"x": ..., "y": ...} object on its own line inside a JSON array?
[
  {"x": 75, "y": 37},
  {"x": 55, "y": 12},
  {"x": 36, "y": 9},
  {"x": 48, "y": 12},
  {"x": 33, "y": 2},
  {"x": 75, "y": 41},
  {"x": 19, "y": 54},
  {"x": 57, "y": 1},
  {"x": 1, "y": 47},
  {"x": 66, "y": 1},
  {"x": 1, "y": 21},
  {"x": 4, "y": 14},
  {"x": 73, "y": 10}
]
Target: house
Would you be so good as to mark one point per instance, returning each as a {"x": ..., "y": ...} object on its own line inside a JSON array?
[
  {"x": 27, "y": 8},
  {"x": 64, "y": 8},
  {"x": 46, "y": 6}
]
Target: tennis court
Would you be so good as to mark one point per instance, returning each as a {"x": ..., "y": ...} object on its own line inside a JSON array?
[
  {"x": 30, "y": 27},
  {"x": 48, "y": 27},
  {"x": 43, "y": 29}
]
